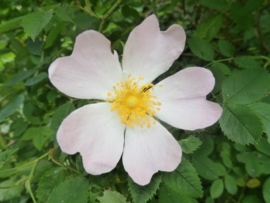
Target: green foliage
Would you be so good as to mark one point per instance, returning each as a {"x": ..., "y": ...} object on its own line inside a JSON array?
[
  {"x": 71, "y": 190},
  {"x": 112, "y": 197},
  {"x": 184, "y": 180},
  {"x": 190, "y": 144},
  {"x": 141, "y": 194},
  {"x": 241, "y": 124},
  {"x": 227, "y": 162}
]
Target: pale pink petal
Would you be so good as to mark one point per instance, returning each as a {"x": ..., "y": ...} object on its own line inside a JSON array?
[
  {"x": 90, "y": 72},
  {"x": 95, "y": 132},
  {"x": 150, "y": 52},
  {"x": 183, "y": 99},
  {"x": 149, "y": 150}
]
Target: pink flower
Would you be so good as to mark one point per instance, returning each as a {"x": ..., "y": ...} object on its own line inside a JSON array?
[{"x": 126, "y": 123}]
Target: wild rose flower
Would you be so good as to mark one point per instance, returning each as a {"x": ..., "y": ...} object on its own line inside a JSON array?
[{"x": 126, "y": 122}]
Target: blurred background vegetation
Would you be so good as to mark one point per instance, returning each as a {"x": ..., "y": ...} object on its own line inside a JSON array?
[{"x": 226, "y": 36}]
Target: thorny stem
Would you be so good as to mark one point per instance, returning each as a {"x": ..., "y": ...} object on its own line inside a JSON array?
[
  {"x": 108, "y": 14},
  {"x": 89, "y": 8},
  {"x": 15, "y": 185}
]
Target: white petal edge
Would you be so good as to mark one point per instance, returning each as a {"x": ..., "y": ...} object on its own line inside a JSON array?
[
  {"x": 149, "y": 150},
  {"x": 95, "y": 132},
  {"x": 183, "y": 99},
  {"x": 150, "y": 52},
  {"x": 91, "y": 71}
]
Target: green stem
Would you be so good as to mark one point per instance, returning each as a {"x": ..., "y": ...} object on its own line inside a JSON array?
[
  {"x": 218, "y": 61},
  {"x": 108, "y": 14},
  {"x": 29, "y": 181},
  {"x": 89, "y": 8},
  {"x": 16, "y": 184}
]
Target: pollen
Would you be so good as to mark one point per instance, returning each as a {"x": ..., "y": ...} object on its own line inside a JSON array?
[{"x": 134, "y": 102}]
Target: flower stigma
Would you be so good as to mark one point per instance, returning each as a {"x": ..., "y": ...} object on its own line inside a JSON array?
[{"x": 134, "y": 103}]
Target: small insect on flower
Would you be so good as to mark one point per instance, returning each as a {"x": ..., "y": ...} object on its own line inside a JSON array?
[{"x": 126, "y": 122}]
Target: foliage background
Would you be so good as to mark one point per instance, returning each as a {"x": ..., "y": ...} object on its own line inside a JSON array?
[{"x": 227, "y": 162}]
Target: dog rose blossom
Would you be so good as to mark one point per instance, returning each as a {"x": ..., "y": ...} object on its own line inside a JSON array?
[{"x": 127, "y": 122}]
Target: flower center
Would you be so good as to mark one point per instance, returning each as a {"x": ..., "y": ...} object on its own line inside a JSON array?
[{"x": 134, "y": 103}]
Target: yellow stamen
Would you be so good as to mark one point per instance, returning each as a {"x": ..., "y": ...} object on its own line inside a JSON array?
[{"x": 134, "y": 103}]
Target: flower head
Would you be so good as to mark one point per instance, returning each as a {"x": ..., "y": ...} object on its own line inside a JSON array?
[{"x": 125, "y": 123}]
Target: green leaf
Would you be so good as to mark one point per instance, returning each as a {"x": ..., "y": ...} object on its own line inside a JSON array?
[
  {"x": 251, "y": 199},
  {"x": 201, "y": 49},
  {"x": 10, "y": 24},
  {"x": 230, "y": 184},
  {"x": 216, "y": 188},
  {"x": 166, "y": 195},
  {"x": 263, "y": 146},
  {"x": 36, "y": 79},
  {"x": 112, "y": 197},
  {"x": 246, "y": 62},
  {"x": 34, "y": 22},
  {"x": 53, "y": 35},
  {"x": 226, "y": 48},
  {"x": 215, "y": 4},
  {"x": 63, "y": 14},
  {"x": 253, "y": 168},
  {"x": 222, "y": 67},
  {"x": 247, "y": 86},
  {"x": 6, "y": 194},
  {"x": 141, "y": 194},
  {"x": 241, "y": 124},
  {"x": 11, "y": 107},
  {"x": 190, "y": 144},
  {"x": 60, "y": 114},
  {"x": 21, "y": 76},
  {"x": 48, "y": 182},
  {"x": 209, "y": 27},
  {"x": 20, "y": 128},
  {"x": 266, "y": 191},
  {"x": 38, "y": 134},
  {"x": 207, "y": 168},
  {"x": 262, "y": 110},
  {"x": 207, "y": 146},
  {"x": 184, "y": 180},
  {"x": 72, "y": 190},
  {"x": 4, "y": 156}
]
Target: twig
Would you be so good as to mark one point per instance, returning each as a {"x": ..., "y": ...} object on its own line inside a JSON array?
[{"x": 108, "y": 14}]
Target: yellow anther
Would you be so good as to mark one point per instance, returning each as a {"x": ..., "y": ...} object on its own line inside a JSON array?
[
  {"x": 160, "y": 85},
  {"x": 154, "y": 122},
  {"x": 109, "y": 94},
  {"x": 141, "y": 78}
]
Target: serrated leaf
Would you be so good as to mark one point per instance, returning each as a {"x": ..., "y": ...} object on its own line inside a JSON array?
[
  {"x": 21, "y": 76},
  {"x": 226, "y": 48},
  {"x": 266, "y": 191},
  {"x": 230, "y": 184},
  {"x": 222, "y": 67},
  {"x": 209, "y": 27},
  {"x": 262, "y": 110},
  {"x": 184, "y": 180},
  {"x": 216, "y": 188},
  {"x": 251, "y": 199},
  {"x": 60, "y": 114},
  {"x": 207, "y": 168},
  {"x": 246, "y": 62},
  {"x": 10, "y": 24},
  {"x": 20, "y": 128},
  {"x": 7, "y": 194},
  {"x": 201, "y": 49},
  {"x": 190, "y": 144},
  {"x": 241, "y": 124},
  {"x": 11, "y": 107},
  {"x": 263, "y": 146},
  {"x": 63, "y": 14},
  {"x": 36, "y": 79},
  {"x": 34, "y": 22},
  {"x": 166, "y": 195},
  {"x": 112, "y": 197},
  {"x": 53, "y": 35},
  {"x": 247, "y": 86},
  {"x": 215, "y": 4},
  {"x": 253, "y": 168},
  {"x": 207, "y": 146},
  {"x": 141, "y": 194},
  {"x": 4, "y": 156},
  {"x": 48, "y": 182},
  {"x": 70, "y": 191}
]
